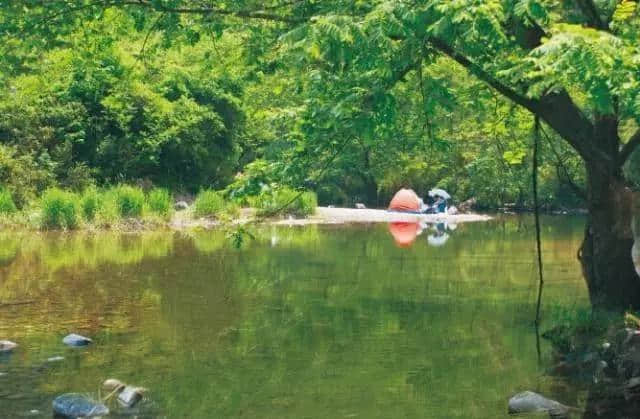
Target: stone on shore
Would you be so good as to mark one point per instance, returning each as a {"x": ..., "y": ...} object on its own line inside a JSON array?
[
  {"x": 76, "y": 340},
  {"x": 72, "y": 405},
  {"x": 529, "y": 402}
]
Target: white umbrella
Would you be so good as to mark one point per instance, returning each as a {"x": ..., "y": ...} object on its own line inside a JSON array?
[{"x": 439, "y": 192}]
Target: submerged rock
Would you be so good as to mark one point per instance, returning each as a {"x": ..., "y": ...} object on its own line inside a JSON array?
[
  {"x": 76, "y": 340},
  {"x": 7, "y": 346},
  {"x": 72, "y": 405},
  {"x": 112, "y": 384},
  {"x": 130, "y": 396},
  {"x": 529, "y": 402}
]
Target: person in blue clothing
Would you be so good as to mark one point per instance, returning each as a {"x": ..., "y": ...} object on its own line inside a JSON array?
[{"x": 441, "y": 205}]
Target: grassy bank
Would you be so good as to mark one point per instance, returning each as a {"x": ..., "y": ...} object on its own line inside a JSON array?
[{"x": 131, "y": 207}]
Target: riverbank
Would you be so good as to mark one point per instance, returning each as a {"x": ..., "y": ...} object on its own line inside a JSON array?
[{"x": 186, "y": 219}]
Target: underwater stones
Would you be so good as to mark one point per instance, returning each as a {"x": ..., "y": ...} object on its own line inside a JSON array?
[
  {"x": 7, "y": 346},
  {"x": 112, "y": 384},
  {"x": 529, "y": 402},
  {"x": 72, "y": 405},
  {"x": 130, "y": 395},
  {"x": 76, "y": 340}
]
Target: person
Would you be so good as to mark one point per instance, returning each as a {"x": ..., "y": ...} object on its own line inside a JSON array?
[{"x": 441, "y": 205}]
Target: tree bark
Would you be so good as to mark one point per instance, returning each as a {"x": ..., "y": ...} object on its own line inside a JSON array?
[{"x": 606, "y": 251}]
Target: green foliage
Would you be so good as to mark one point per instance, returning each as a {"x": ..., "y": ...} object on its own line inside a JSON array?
[
  {"x": 7, "y": 206},
  {"x": 283, "y": 200},
  {"x": 129, "y": 200},
  {"x": 90, "y": 202},
  {"x": 59, "y": 209},
  {"x": 22, "y": 175},
  {"x": 209, "y": 203},
  {"x": 160, "y": 202}
]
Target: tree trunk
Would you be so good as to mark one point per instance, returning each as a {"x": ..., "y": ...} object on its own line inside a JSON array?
[{"x": 606, "y": 251}]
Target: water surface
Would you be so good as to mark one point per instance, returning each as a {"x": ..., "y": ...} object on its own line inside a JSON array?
[{"x": 303, "y": 322}]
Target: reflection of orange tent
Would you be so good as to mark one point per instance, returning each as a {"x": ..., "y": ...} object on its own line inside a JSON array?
[
  {"x": 404, "y": 233},
  {"x": 405, "y": 200}
]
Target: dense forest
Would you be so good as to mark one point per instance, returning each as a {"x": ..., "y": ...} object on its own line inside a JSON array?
[
  {"x": 135, "y": 97},
  {"x": 349, "y": 99}
]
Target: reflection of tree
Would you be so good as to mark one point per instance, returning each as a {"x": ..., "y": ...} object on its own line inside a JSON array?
[{"x": 323, "y": 323}]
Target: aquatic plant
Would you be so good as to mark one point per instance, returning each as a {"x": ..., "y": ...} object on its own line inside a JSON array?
[
  {"x": 159, "y": 202},
  {"x": 59, "y": 209}
]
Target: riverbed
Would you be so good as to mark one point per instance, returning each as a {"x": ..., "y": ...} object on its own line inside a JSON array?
[{"x": 312, "y": 321}]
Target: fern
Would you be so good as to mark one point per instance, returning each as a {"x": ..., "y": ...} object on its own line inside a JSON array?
[{"x": 624, "y": 10}]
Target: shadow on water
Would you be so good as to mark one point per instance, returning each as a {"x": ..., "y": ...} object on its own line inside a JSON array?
[{"x": 315, "y": 321}]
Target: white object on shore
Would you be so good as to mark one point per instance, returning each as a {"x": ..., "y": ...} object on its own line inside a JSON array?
[{"x": 360, "y": 206}]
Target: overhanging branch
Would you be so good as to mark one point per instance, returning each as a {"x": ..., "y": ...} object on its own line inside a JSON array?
[{"x": 248, "y": 14}]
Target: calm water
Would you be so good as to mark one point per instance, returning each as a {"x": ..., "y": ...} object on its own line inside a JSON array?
[{"x": 303, "y": 322}]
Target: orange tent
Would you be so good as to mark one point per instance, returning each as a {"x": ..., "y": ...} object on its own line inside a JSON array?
[
  {"x": 405, "y": 200},
  {"x": 404, "y": 233}
]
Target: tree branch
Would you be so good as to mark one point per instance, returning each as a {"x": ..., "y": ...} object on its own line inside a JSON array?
[
  {"x": 557, "y": 109},
  {"x": 629, "y": 148},
  {"x": 248, "y": 14},
  {"x": 530, "y": 104}
]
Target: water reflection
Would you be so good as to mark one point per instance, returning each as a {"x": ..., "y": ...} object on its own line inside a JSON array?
[
  {"x": 405, "y": 233},
  {"x": 312, "y": 322}
]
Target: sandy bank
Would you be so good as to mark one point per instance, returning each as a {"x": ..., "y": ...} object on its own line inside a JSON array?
[{"x": 325, "y": 215}]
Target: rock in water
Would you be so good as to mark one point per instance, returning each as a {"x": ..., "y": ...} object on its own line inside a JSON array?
[
  {"x": 130, "y": 395},
  {"x": 528, "y": 402},
  {"x": 73, "y": 405},
  {"x": 76, "y": 340},
  {"x": 7, "y": 346}
]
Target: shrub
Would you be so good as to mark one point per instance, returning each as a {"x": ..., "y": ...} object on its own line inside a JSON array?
[
  {"x": 59, "y": 209},
  {"x": 7, "y": 206},
  {"x": 209, "y": 204},
  {"x": 129, "y": 201},
  {"x": 159, "y": 202},
  {"x": 285, "y": 201},
  {"x": 90, "y": 202}
]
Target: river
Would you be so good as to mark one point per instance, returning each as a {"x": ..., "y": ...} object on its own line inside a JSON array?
[{"x": 301, "y": 322}]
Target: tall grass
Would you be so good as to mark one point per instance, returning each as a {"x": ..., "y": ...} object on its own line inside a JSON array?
[
  {"x": 7, "y": 206},
  {"x": 209, "y": 204},
  {"x": 59, "y": 209},
  {"x": 90, "y": 203},
  {"x": 159, "y": 202},
  {"x": 128, "y": 200},
  {"x": 285, "y": 201}
]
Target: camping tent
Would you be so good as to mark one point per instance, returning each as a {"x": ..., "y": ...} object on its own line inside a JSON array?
[{"x": 405, "y": 200}]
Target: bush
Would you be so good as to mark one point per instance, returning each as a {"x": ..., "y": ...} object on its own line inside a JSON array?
[
  {"x": 285, "y": 201},
  {"x": 209, "y": 204},
  {"x": 159, "y": 202},
  {"x": 7, "y": 206},
  {"x": 59, "y": 209},
  {"x": 129, "y": 201},
  {"x": 90, "y": 202}
]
